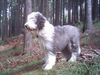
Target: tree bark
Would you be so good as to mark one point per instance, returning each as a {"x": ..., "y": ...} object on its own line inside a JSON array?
[
  {"x": 90, "y": 28},
  {"x": 95, "y": 9},
  {"x": 28, "y": 6},
  {"x": 57, "y": 13},
  {"x": 4, "y": 23},
  {"x": 99, "y": 10},
  {"x": 69, "y": 18},
  {"x": 28, "y": 35},
  {"x": 89, "y": 16}
]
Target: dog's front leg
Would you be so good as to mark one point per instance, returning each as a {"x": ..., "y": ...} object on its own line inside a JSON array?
[{"x": 49, "y": 61}]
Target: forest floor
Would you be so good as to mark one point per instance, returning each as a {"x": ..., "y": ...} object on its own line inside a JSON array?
[{"x": 14, "y": 62}]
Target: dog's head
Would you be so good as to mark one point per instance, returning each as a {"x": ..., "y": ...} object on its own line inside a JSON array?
[{"x": 35, "y": 20}]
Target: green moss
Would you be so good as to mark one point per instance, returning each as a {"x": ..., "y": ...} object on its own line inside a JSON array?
[
  {"x": 2, "y": 42},
  {"x": 3, "y": 73},
  {"x": 97, "y": 25},
  {"x": 69, "y": 69}
]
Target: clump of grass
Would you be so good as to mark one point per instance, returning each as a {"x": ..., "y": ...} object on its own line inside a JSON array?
[
  {"x": 81, "y": 69},
  {"x": 80, "y": 25},
  {"x": 2, "y": 42},
  {"x": 85, "y": 68},
  {"x": 3, "y": 73},
  {"x": 74, "y": 69},
  {"x": 97, "y": 25}
]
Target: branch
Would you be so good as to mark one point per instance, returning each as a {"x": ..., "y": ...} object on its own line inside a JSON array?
[{"x": 96, "y": 52}]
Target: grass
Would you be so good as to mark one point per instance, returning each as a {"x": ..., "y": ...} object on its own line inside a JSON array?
[
  {"x": 81, "y": 24},
  {"x": 85, "y": 68},
  {"x": 20, "y": 68},
  {"x": 74, "y": 69},
  {"x": 10, "y": 52},
  {"x": 3, "y": 73},
  {"x": 2, "y": 42},
  {"x": 65, "y": 68},
  {"x": 70, "y": 69},
  {"x": 97, "y": 25}
]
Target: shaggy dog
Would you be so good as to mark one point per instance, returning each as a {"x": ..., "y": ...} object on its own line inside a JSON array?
[{"x": 65, "y": 39}]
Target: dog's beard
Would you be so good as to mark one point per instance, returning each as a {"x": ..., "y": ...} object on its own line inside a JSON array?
[{"x": 34, "y": 34}]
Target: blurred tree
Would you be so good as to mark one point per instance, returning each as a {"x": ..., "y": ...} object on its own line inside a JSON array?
[
  {"x": 95, "y": 7},
  {"x": 58, "y": 12},
  {"x": 98, "y": 10},
  {"x": 28, "y": 35},
  {"x": 89, "y": 16},
  {"x": 4, "y": 20},
  {"x": 69, "y": 11}
]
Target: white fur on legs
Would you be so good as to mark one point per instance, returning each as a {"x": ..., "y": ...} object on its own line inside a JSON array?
[
  {"x": 79, "y": 51},
  {"x": 50, "y": 61},
  {"x": 73, "y": 57}
]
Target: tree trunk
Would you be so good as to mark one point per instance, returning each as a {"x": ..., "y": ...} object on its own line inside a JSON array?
[
  {"x": 81, "y": 10},
  {"x": 28, "y": 35},
  {"x": 89, "y": 16},
  {"x": 99, "y": 10},
  {"x": 90, "y": 28},
  {"x": 95, "y": 9},
  {"x": 69, "y": 17},
  {"x": 57, "y": 13},
  {"x": 5, "y": 25},
  {"x": 28, "y": 6},
  {"x": 76, "y": 11}
]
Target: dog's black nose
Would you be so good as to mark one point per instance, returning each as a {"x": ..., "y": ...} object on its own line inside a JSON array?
[{"x": 26, "y": 27}]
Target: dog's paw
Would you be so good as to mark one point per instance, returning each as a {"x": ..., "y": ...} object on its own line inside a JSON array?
[
  {"x": 47, "y": 67},
  {"x": 73, "y": 58}
]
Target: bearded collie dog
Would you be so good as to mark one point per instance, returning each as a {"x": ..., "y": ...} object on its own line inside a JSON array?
[{"x": 65, "y": 39}]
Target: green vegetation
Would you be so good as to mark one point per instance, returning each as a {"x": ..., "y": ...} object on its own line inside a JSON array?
[
  {"x": 97, "y": 25},
  {"x": 91, "y": 67},
  {"x": 63, "y": 69},
  {"x": 81, "y": 24},
  {"x": 2, "y": 42},
  {"x": 3, "y": 73},
  {"x": 85, "y": 68}
]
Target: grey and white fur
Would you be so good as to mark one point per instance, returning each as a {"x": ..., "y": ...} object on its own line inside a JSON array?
[{"x": 65, "y": 39}]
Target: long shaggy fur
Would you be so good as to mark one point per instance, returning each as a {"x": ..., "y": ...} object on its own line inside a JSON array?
[{"x": 65, "y": 39}]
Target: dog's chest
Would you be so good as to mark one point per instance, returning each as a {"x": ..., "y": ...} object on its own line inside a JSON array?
[
  {"x": 46, "y": 40},
  {"x": 46, "y": 44}
]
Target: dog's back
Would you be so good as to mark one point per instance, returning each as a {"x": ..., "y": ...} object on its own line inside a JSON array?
[
  {"x": 67, "y": 33},
  {"x": 67, "y": 40},
  {"x": 68, "y": 29}
]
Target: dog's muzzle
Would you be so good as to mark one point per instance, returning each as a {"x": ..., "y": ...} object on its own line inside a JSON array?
[
  {"x": 28, "y": 28},
  {"x": 33, "y": 31}
]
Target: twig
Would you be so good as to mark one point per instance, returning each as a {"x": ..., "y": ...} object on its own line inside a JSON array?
[{"x": 96, "y": 52}]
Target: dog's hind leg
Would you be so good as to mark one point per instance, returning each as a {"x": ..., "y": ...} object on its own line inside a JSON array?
[
  {"x": 66, "y": 52},
  {"x": 50, "y": 61},
  {"x": 75, "y": 45}
]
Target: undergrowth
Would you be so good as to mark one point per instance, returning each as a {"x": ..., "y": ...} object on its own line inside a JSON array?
[{"x": 84, "y": 68}]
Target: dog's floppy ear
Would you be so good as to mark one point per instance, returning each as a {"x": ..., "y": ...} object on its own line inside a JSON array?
[{"x": 40, "y": 21}]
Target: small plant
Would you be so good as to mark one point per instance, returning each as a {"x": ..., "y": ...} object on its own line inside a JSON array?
[
  {"x": 3, "y": 73},
  {"x": 2, "y": 42},
  {"x": 97, "y": 25}
]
